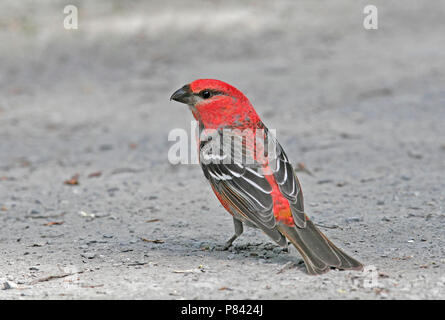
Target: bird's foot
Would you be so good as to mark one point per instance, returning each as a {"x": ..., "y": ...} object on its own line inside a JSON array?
[{"x": 224, "y": 247}]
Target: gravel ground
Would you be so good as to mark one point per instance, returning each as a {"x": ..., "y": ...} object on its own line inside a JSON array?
[{"x": 364, "y": 110}]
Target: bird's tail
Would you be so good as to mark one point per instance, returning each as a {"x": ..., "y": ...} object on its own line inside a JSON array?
[{"x": 318, "y": 252}]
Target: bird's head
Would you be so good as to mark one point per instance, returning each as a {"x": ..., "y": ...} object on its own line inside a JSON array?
[{"x": 216, "y": 103}]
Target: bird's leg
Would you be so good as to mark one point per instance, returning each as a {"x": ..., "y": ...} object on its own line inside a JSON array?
[{"x": 238, "y": 231}]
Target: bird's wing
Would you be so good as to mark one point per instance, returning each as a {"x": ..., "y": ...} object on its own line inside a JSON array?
[
  {"x": 238, "y": 178},
  {"x": 286, "y": 179}
]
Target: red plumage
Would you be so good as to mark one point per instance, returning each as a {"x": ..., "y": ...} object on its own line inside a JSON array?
[{"x": 252, "y": 176}]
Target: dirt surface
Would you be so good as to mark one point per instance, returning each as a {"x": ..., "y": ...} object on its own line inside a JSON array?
[{"x": 364, "y": 110}]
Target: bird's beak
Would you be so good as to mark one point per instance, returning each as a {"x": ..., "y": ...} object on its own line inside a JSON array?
[{"x": 183, "y": 95}]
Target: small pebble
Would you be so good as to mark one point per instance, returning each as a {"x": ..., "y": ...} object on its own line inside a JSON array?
[
  {"x": 105, "y": 147},
  {"x": 6, "y": 285},
  {"x": 88, "y": 255},
  {"x": 324, "y": 181}
]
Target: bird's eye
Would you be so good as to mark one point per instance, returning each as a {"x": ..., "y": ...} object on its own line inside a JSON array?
[{"x": 205, "y": 94}]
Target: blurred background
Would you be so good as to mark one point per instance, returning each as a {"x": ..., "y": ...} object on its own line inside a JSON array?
[
  {"x": 293, "y": 59},
  {"x": 363, "y": 110}
]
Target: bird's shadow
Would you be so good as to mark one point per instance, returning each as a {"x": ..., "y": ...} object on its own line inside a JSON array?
[{"x": 267, "y": 252}]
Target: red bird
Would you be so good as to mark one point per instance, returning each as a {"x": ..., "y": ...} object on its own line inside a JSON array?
[{"x": 252, "y": 176}]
